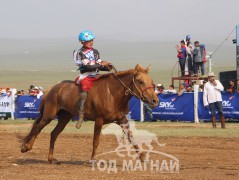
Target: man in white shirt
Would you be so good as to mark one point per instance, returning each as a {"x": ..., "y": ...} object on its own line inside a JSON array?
[{"x": 212, "y": 97}]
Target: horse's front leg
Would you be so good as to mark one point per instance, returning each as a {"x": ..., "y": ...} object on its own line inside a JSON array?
[
  {"x": 124, "y": 124},
  {"x": 98, "y": 126}
]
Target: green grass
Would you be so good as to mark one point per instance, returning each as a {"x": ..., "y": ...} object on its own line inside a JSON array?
[{"x": 162, "y": 129}]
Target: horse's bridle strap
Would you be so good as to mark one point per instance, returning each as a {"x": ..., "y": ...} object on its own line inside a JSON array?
[{"x": 140, "y": 96}]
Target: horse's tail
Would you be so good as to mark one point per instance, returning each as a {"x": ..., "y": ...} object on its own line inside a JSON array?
[
  {"x": 37, "y": 121},
  {"x": 156, "y": 140}
]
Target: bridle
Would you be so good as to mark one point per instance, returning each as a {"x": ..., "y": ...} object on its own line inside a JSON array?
[{"x": 129, "y": 90}]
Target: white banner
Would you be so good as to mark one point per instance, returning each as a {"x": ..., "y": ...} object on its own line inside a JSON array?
[{"x": 5, "y": 104}]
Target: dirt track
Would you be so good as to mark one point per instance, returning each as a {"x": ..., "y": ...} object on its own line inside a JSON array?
[{"x": 200, "y": 158}]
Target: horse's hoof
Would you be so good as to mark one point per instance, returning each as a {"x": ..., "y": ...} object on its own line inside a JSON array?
[
  {"x": 92, "y": 161},
  {"x": 24, "y": 149},
  {"x": 54, "y": 161}
]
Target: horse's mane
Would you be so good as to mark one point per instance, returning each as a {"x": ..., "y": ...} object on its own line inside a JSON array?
[{"x": 119, "y": 74}]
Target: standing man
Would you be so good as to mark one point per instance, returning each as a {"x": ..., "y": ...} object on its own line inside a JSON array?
[
  {"x": 197, "y": 60},
  {"x": 182, "y": 56},
  {"x": 212, "y": 97},
  {"x": 204, "y": 58}
]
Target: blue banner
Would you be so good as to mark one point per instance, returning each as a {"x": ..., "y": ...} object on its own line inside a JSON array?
[
  {"x": 27, "y": 107},
  {"x": 134, "y": 108},
  {"x": 230, "y": 103},
  {"x": 174, "y": 107}
]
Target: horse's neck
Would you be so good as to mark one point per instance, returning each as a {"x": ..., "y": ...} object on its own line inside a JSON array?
[{"x": 126, "y": 82}]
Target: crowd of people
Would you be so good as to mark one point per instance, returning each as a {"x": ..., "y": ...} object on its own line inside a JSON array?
[
  {"x": 32, "y": 91},
  {"x": 191, "y": 57},
  {"x": 5, "y": 92},
  {"x": 184, "y": 87}
]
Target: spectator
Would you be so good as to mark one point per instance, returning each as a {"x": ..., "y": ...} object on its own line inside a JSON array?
[
  {"x": 189, "y": 88},
  {"x": 189, "y": 61},
  {"x": 160, "y": 89},
  {"x": 197, "y": 60},
  {"x": 31, "y": 90},
  {"x": 238, "y": 85},
  {"x": 3, "y": 92},
  {"x": 231, "y": 87},
  {"x": 19, "y": 93},
  {"x": 181, "y": 89},
  {"x": 182, "y": 57},
  {"x": 22, "y": 92},
  {"x": 171, "y": 90},
  {"x": 32, "y": 86},
  {"x": 36, "y": 90},
  {"x": 212, "y": 97},
  {"x": 204, "y": 58},
  {"x": 9, "y": 92},
  {"x": 40, "y": 92},
  {"x": 202, "y": 86},
  {"x": 187, "y": 41}
]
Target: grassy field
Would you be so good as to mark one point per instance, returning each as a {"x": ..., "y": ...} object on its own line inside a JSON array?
[{"x": 162, "y": 129}]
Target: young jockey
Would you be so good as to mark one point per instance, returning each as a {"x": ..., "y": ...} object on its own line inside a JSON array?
[{"x": 89, "y": 62}]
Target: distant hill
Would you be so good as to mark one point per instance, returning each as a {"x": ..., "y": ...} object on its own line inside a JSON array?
[{"x": 55, "y": 55}]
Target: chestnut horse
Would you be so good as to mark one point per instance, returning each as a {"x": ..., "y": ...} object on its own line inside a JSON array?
[{"x": 107, "y": 102}]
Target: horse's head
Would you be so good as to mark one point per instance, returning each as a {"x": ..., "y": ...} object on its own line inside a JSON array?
[{"x": 144, "y": 87}]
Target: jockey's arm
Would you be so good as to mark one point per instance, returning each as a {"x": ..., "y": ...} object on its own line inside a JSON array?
[{"x": 96, "y": 67}]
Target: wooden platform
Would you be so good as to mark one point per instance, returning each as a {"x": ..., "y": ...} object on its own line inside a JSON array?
[{"x": 190, "y": 79}]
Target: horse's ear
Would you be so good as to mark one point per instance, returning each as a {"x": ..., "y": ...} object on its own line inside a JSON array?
[
  {"x": 139, "y": 68},
  {"x": 148, "y": 69}
]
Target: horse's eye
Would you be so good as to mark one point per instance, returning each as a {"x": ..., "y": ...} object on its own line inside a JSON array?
[{"x": 141, "y": 82}]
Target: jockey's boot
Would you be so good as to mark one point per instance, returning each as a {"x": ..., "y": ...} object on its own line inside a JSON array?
[
  {"x": 222, "y": 122},
  {"x": 83, "y": 96},
  {"x": 214, "y": 125}
]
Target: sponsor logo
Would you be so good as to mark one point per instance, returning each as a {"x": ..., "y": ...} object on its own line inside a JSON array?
[
  {"x": 29, "y": 105},
  {"x": 4, "y": 104},
  {"x": 226, "y": 103},
  {"x": 166, "y": 105}
]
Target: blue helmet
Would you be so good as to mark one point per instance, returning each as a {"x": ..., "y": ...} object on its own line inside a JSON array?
[
  {"x": 86, "y": 36},
  {"x": 202, "y": 45},
  {"x": 188, "y": 37}
]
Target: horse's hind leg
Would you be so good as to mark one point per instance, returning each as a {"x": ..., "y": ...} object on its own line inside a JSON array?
[
  {"x": 36, "y": 129},
  {"x": 63, "y": 118}
]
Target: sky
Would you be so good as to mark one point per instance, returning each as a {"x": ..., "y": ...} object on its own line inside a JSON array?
[{"x": 126, "y": 20}]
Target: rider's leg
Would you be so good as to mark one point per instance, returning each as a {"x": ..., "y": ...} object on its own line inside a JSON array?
[{"x": 81, "y": 105}]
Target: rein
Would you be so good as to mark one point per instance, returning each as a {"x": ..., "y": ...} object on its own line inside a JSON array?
[{"x": 141, "y": 92}]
